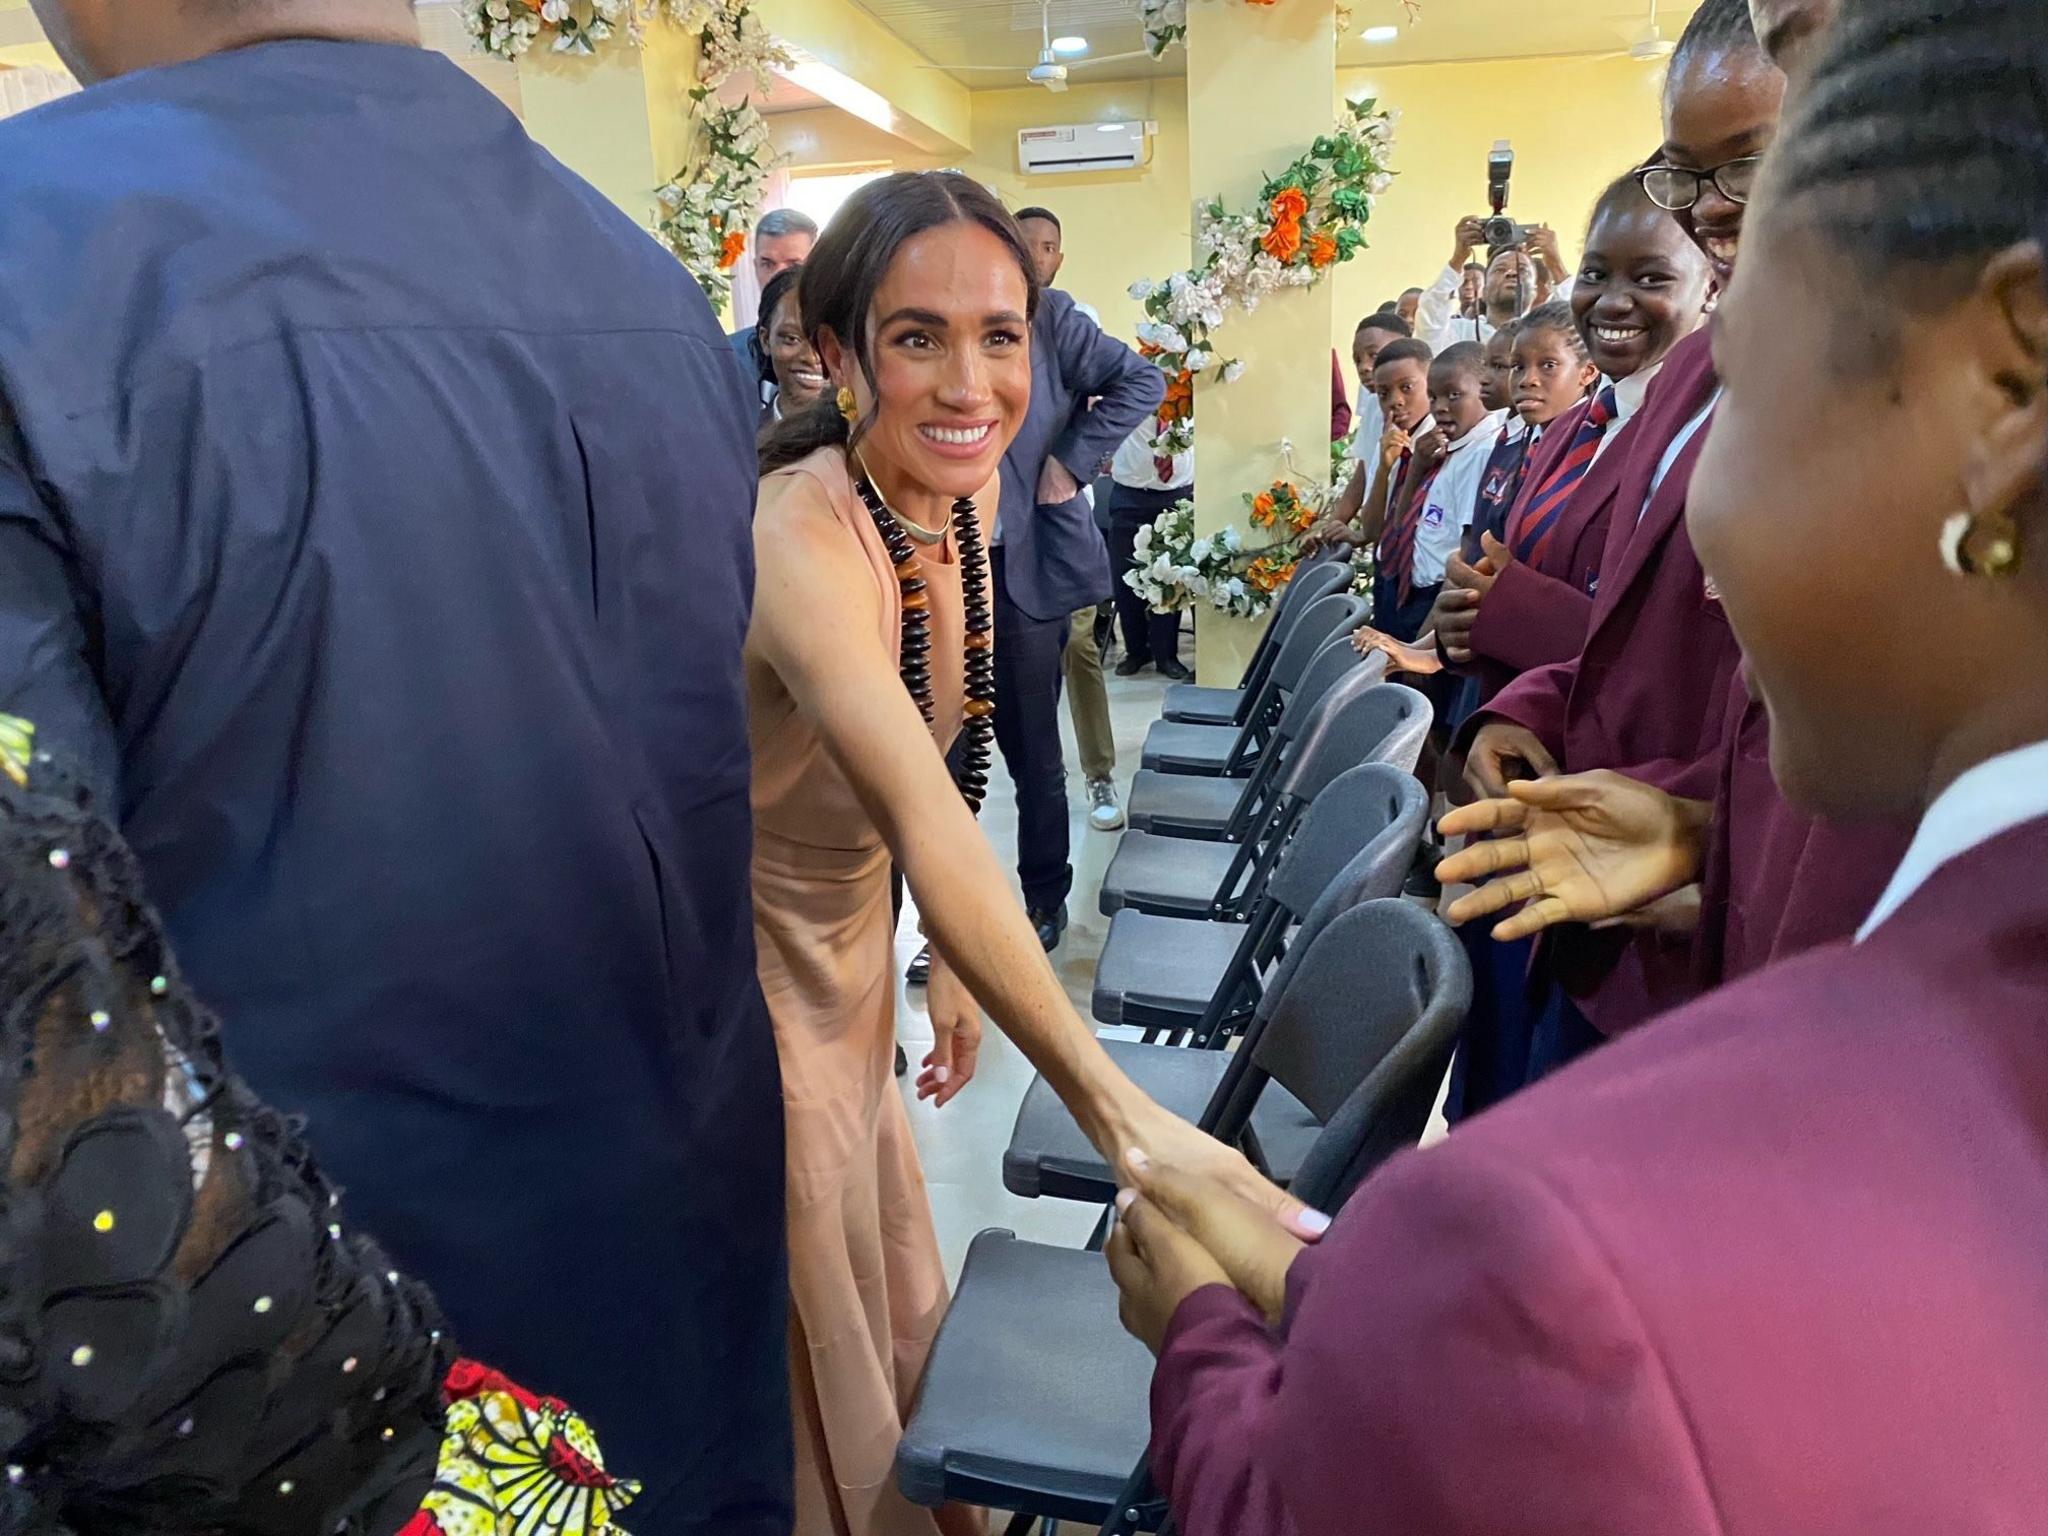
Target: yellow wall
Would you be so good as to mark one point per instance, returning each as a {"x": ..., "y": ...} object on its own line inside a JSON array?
[
  {"x": 1576, "y": 124},
  {"x": 1120, "y": 225},
  {"x": 929, "y": 107}
]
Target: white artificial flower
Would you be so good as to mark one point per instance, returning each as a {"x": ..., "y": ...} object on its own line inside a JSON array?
[
  {"x": 556, "y": 11},
  {"x": 1233, "y": 370},
  {"x": 1143, "y": 542},
  {"x": 1174, "y": 13},
  {"x": 1233, "y": 541},
  {"x": 1235, "y": 587},
  {"x": 1142, "y": 289},
  {"x": 498, "y": 10}
]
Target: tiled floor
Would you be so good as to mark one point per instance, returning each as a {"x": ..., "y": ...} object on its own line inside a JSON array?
[{"x": 963, "y": 1143}]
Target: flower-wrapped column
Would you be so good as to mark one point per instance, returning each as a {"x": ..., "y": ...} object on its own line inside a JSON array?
[{"x": 1261, "y": 84}]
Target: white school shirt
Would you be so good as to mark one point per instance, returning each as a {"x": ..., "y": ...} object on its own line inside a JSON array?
[
  {"x": 1452, "y": 498},
  {"x": 1628, "y": 399},
  {"x": 1135, "y": 467},
  {"x": 1988, "y": 801}
]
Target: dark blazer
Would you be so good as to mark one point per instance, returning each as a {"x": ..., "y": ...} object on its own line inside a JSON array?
[
  {"x": 1646, "y": 694},
  {"x": 1536, "y": 615},
  {"x": 1773, "y": 1264},
  {"x": 1054, "y": 558}
]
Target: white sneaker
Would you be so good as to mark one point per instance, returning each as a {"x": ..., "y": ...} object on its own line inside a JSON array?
[{"x": 1104, "y": 814}]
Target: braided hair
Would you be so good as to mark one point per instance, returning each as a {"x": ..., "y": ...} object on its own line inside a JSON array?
[
  {"x": 1557, "y": 316},
  {"x": 1716, "y": 24},
  {"x": 1921, "y": 139},
  {"x": 191, "y": 1340}
]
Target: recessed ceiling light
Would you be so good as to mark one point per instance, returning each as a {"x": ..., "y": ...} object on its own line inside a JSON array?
[
  {"x": 1067, "y": 47},
  {"x": 1380, "y": 34}
]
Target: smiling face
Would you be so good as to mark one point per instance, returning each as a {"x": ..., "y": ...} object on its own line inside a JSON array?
[
  {"x": 1403, "y": 388},
  {"x": 799, "y": 376},
  {"x": 1720, "y": 104},
  {"x": 1551, "y": 376},
  {"x": 951, "y": 351},
  {"x": 1641, "y": 288},
  {"x": 1457, "y": 399}
]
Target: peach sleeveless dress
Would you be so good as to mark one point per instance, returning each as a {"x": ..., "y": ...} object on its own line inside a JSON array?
[{"x": 866, "y": 1283}]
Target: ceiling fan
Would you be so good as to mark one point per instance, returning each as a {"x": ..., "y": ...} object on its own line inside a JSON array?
[
  {"x": 1051, "y": 70},
  {"x": 1650, "y": 45}
]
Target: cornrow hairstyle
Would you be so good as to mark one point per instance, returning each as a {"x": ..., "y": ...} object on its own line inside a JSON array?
[
  {"x": 1557, "y": 316},
  {"x": 191, "y": 1337},
  {"x": 1921, "y": 139},
  {"x": 1408, "y": 349},
  {"x": 1388, "y": 320}
]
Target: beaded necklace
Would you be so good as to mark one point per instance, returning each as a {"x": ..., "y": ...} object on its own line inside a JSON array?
[{"x": 979, "y": 727}]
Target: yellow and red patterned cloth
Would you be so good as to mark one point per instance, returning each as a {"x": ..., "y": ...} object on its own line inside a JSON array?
[{"x": 513, "y": 1464}]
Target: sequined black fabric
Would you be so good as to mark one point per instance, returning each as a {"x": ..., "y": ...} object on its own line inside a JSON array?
[{"x": 191, "y": 1338}]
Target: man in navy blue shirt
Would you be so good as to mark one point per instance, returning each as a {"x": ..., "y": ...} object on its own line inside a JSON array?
[{"x": 375, "y": 534}]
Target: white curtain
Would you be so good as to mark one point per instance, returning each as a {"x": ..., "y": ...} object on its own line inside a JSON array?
[
  {"x": 746, "y": 288},
  {"x": 21, "y": 89}
]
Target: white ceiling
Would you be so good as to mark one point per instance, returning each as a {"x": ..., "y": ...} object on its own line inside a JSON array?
[{"x": 1006, "y": 32}]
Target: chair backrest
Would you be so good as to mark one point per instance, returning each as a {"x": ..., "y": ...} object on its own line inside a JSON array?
[
  {"x": 1356, "y": 843},
  {"x": 1361, "y": 719},
  {"x": 1362, "y": 1034},
  {"x": 1312, "y": 580},
  {"x": 1336, "y": 666},
  {"x": 1320, "y": 622}
]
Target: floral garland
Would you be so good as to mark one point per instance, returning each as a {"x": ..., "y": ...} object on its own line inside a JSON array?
[
  {"x": 1166, "y": 21},
  {"x": 508, "y": 28},
  {"x": 1309, "y": 218},
  {"x": 703, "y": 214},
  {"x": 1173, "y": 570}
]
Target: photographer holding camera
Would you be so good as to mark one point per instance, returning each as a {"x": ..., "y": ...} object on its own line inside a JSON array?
[{"x": 1524, "y": 268}]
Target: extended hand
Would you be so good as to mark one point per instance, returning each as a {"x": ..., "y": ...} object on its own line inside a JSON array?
[
  {"x": 956, "y": 1035},
  {"x": 1237, "y": 1234},
  {"x": 1156, "y": 1267},
  {"x": 1165, "y": 1140},
  {"x": 1470, "y": 235},
  {"x": 1588, "y": 847},
  {"x": 1329, "y": 534},
  {"x": 1401, "y": 656},
  {"x": 1056, "y": 484}
]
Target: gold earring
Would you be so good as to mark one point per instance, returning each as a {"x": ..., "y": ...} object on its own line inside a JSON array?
[
  {"x": 1966, "y": 554},
  {"x": 847, "y": 406}
]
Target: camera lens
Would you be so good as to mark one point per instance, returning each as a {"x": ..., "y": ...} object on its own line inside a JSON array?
[{"x": 1500, "y": 231}]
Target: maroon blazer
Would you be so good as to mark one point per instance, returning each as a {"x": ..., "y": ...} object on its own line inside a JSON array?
[
  {"x": 1646, "y": 693},
  {"x": 1537, "y": 613},
  {"x": 1776, "y": 882},
  {"x": 1774, "y": 1264}
]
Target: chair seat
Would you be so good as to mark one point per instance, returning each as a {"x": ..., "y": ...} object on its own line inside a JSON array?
[
  {"x": 1174, "y": 876},
  {"x": 1048, "y": 1158},
  {"x": 1193, "y": 704},
  {"x": 1161, "y": 971},
  {"x": 1182, "y": 804},
  {"x": 1175, "y": 747},
  {"x": 1035, "y": 1398}
]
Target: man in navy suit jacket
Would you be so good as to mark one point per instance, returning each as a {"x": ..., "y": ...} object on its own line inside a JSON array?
[{"x": 1088, "y": 393}]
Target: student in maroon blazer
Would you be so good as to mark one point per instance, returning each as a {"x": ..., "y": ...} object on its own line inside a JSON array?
[
  {"x": 1641, "y": 289},
  {"x": 1773, "y": 1264},
  {"x": 1644, "y": 694}
]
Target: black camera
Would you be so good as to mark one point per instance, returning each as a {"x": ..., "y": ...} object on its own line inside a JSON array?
[{"x": 1502, "y": 232}]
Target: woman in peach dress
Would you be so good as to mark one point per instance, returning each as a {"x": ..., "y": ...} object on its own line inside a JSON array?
[{"x": 919, "y": 299}]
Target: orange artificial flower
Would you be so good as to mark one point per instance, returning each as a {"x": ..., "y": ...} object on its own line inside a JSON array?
[
  {"x": 1180, "y": 397},
  {"x": 1290, "y": 207},
  {"x": 735, "y": 248},
  {"x": 1262, "y": 509},
  {"x": 1268, "y": 574},
  {"x": 1283, "y": 242},
  {"x": 1322, "y": 249}
]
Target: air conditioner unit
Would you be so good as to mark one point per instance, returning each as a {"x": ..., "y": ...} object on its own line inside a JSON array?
[{"x": 1085, "y": 147}]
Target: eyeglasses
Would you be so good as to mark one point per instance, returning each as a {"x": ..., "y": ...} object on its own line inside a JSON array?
[{"x": 1675, "y": 190}]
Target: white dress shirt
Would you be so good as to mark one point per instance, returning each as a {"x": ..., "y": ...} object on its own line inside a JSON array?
[
  {"x": 1678, "y": 446},
  {"x": 1135, "y": 466},
  {"x": 1438, "y": 322},
  {"x": 1452, "y": 498},
  {"x": 1628, "y": 399},
  {"x": 1370, "y": 425},
  {"x": 1988, "y": 801}
]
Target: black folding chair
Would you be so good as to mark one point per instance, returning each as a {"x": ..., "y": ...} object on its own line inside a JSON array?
[{"x": 1193, "y": 704}]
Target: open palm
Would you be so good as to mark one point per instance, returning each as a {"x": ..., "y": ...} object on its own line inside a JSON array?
[{"x": 1579, "y": 848}]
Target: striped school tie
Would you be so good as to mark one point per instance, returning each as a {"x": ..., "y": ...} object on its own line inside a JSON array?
[
  {"x": 1397, "y": 545},
  {"x": 1538, "y": 518}
]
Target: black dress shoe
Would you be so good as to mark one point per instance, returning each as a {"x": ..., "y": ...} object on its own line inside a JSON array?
[
  {"x": 1050, "y": 926},
  {"x": 1131, "y": 666},
  {"x": 919, "y": 971},
  {"x": 1174, "y": 672},
  {"x": 902, "y": 1063}
]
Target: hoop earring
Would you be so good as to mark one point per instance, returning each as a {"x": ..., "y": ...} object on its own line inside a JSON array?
[
  {"x": 1968, "y": 551},
  {"x": 847, "y": 406}
]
